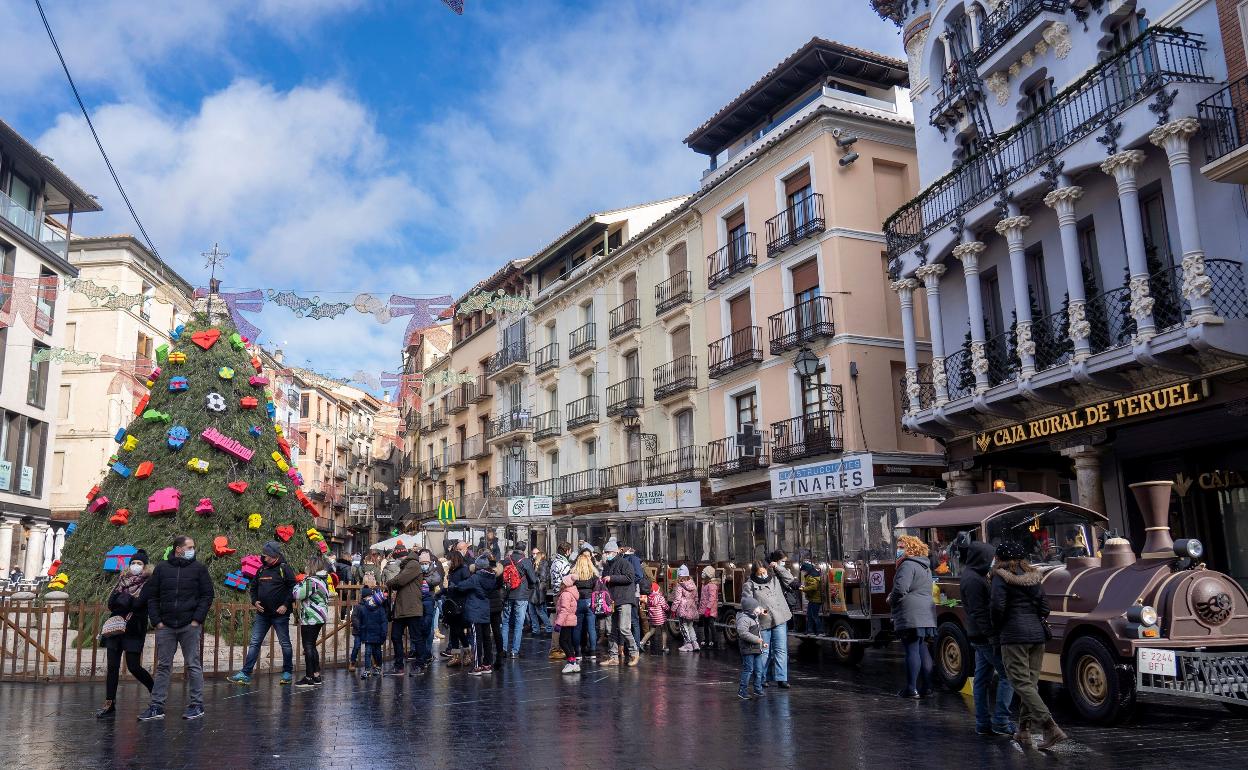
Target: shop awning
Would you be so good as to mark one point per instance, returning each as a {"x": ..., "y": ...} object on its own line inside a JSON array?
[{"x": 972, "y": 509}]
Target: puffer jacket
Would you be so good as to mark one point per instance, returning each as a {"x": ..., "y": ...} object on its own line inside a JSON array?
[
  {"x": 749, "y": 628},
  {"x": 621, "y": 577},
  {"x": 911, "y": 597},
  {"x": 770, "y": 595},
  {"x": 559, "y": 567},
  {"x": 656, "y": 607},
  {"x": 977, "y": 593},
  {"x": 565, "y": 607},
  {"x": 708, "y": 604},
  {"x": 1018, "y": 606},
  {"x": 476, "y": 592},
  {"x": 369, "y": 621},
  {"x": 685, "y": 599},
  {"x": 178, "y": 593},
  {"x": 313, "y": 597},
  {"x": 405, "y": 594}
]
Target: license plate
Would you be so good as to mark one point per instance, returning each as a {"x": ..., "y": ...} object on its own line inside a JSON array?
[{"x": 1157, "y": 662}]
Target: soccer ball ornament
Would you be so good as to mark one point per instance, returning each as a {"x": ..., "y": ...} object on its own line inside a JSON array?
[{"x": 214, "y": 402}]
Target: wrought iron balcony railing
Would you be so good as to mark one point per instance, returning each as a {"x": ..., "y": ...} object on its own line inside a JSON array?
[
  {"x": 1159, "y": 57},
  {"x": 546, "y": 425},
  {"x": 580, "y": 412},
  {"x": 457, "y": 400},
  {"x": 675, "y": 377},
  {"x": 628, "y": 392},
  {"x": 683, "y": 464},
  {"x": 581, "y": 340},
  {"x": 475, "y": 447},
  {"x": 796, "y": 223},
  {"x": 631, "y": 473},
  {"x": 480, "y": 389},
  {"x": 546, "y": 358},
  {"x": 1003, "y": 363},
  {"x": 741, "y": 348},
  {"x": 1224, "y": 117},
  {"x": 961, "y": 375},
  {"x": 797, "y": 326},
  {"x": 582, "y": 485},
  {"x": 1008, "y": 19},
  {"x": 725, "y": 457},
  {"x": 514, "y": 354},
  {"x": 455, "y": 454},
  {"x": 1053, "y": 344},
  {"x": 739, "y": 255},
  {"x": 625, "y": 317},
  {"x": 508, "y": 423},
  {"x": 436, "y": 419},
  {"x": 810, "y": 435},
  {"x": 673, "y": 292}
]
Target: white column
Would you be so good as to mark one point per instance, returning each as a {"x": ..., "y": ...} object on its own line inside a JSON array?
[
  {"x": 1175, "y": 138},
  {"x": 1062, "y": 200},
  {"x": 6, "y": 547},
  {"x": 972, "y": 12},
  {"x": 905, "y": 295},
  {"x": 1122, "y": 168},
  {"x": 1087, "y": 460},
  {"x": 1012, "y": 228},
  {"x": 34, "y": 550},
  {"x": 49, "y": 545},
  {"x": 930, "y": 276},
  {"x": 968, "y": 253},
  {"x": 58, "y": 544}
]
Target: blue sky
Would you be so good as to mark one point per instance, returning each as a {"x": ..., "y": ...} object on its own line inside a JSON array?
[{"x": 342, "y": 146}]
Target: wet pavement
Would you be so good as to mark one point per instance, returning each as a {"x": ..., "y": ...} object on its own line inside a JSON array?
[{"x": 675, "y": 711}]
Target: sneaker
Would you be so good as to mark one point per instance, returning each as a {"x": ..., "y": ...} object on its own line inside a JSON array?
[
  {"x": 481, "y": 670},
  {"x": 758, "y": 693},
  {"x": 194, "y": 711},
  {"x": 578, "y": 666},
  {"x": 287, "y": 678},
  {"x": 569, "y": 668},
  {"x": 1008, "y": 728},
  {"x": 153, "y": 712},
  {"x": 241, "y": 678},
  {"x": 907, "y": 694},
  {"x": 376, "y": 673},
  {"x": 783, "y": 685},
  {"x": 364, "y": 674},
  {"x": 317, "y": 680},
  {"x": 307, "y": 681},
  {"x": 743, "y": 695},
  {"x": 685, "y": 648},
  {"x": 634, "y": 659},
  {"x": 446, "y": 653},
  {"x": 396, "y": 671}
]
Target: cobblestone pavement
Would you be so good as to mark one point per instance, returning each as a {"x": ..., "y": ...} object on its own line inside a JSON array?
[{"x": 677, "y": 711}]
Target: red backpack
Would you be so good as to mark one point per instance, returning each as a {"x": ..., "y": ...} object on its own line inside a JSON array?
[{"x": 511, "y": 576}]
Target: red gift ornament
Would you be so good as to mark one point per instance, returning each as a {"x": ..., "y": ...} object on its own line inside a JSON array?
[
  {"x": 207, "y": 338},
  {"x": 237, "y": 487},
  {"x": 140, "y": 407},
  {"x": 120, "y": 518},
  {"x": 321, "y": 545},
  {"x": 95, "y": 490},
  {"x": 248, "y": 402},
  {"x": 285, "y": 532},
  {"x": 145, "y": 469},
  {"x": 221, "y": 544}
]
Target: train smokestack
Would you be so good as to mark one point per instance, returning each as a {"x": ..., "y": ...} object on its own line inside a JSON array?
[{"x": 1153, "y": 497}]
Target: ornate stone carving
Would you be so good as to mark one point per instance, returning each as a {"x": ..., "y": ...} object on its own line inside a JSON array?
[
  {"x": 1076, "y": 315},
  {"x": 999, "y": 86},
  {"x": 914, "y": 54},
  {"x": 912, "y": 384},
  {"x": 979, "y": 361},
  {"x": 968, "y": 253},
  {"x": 1173, "y": 137},
  {"x": 904, "y": 284},
  {"x": 1057, "y": 35},
  {"x": 1141, "y": 300},
  {"x": 1017, "y": 223},
  {"x": 1063, "y": 196},
  {"x": 930, "y": 274},
  {"x": 1123, "y": 162},
  {"x": 1195, "y": 283},
  {"x": 939, "y": 379},
  {"x": 1024, "y": 344}
]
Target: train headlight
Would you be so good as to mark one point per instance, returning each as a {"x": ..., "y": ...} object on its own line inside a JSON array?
[
  {"x": 1142, "y": 614},
  {"x": 1189, "y": 548}
]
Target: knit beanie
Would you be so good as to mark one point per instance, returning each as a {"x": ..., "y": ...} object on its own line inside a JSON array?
[
  {"x": 611, "y": 546},
  {"x": 482, "y": 563},
  {"x": 272, "y": 549},
  {"x": 683, "y": 571},
  {"x": 708, "y": 572}
]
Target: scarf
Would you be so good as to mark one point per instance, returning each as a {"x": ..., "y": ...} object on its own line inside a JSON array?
[
  {"x": 760, "y": 580},
  {"x": 131, "y": 584}
]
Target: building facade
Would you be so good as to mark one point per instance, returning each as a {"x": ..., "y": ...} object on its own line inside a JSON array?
[
  {"x": 1083, "y": 272},
  {"x": 419, "y": 353},
  {"x": 33, "y": 262}
]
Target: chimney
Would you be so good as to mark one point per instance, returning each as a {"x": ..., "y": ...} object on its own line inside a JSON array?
[
  {"x": 1153, "y": 497},
  {"x": 279, "y": 356}
]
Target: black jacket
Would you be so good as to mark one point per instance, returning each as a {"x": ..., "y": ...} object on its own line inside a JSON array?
[
  {"x": 1018, "y": 605},
  {"x": 122, "y": 603},
  {"x": 476, "y": 591},
  {"x": 274, "y": 587},
  {"x": 977, "y": 593},
  {"x": 178, "y": 592},
  {"x": 528, "y": 579},
  {"x": 622, "y": 578},
  {"x": 585, "y": 588}
]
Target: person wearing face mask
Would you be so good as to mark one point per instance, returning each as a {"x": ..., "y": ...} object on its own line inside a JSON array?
[
  {"x": 914, "y": 617},
  {"x": 432, "y": 578},
  {"x": 620, "y": 575},
  {"x": 178, "y": 595},
  {"x": 764, "y": 587},
  {"x": 271, "y": 592},
  {"x": 753, "y": 648},
  {"x": 406, "y": 597},
  {"x": 312, "y": 593},
  {"x": 125, "y": 602}
]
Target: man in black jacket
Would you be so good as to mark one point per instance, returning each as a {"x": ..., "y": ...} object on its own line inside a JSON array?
[
  {"x": 178, "y": 595},
  {"x": 516, "y": 608},
  {"x": 621, "y": 576},
  {"x": 272, "y": 595},
  {"x": 976, "y": 598}
]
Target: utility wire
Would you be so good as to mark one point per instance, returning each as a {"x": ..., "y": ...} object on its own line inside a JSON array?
[{"x": 112, "y": 171}]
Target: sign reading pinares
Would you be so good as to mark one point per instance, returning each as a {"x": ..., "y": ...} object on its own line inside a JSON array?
[{"x": 833, "y": 478}]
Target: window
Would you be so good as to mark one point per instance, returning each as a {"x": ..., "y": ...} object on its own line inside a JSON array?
[
  {"x": 554, "y": 464},
  {"x": 552, "y": 398},
  {"x": 513, "y": 395},
  {"x": 1045, "y": 130},
  {"x": 58, "y": 470},
  {"x": 591, "y": 454},
  {"x": 305, "y": 405},
  {"x": 632, "y": 365},
  {"x": 587, "y": 381},
  {"x": 805, "y": 283},
  {"x": 1090, "y": 258},
  {"x": 812, "y": 393},
  {"x": 37, "y": 389},
  {"x": 71, "y": 335},
  {"x": 735, "y": 227},
  {"x": 678, "y": 260},
  {"x": 23, "y": 441},
  {"x": 740, "y": 316},
  {"x": 684, "y": 428},
  {"x": 1049, "y": 534},
  {"x": 143, "y": 346},
  {"x": 1037, "y": 282},
  {"x": 1156, "y": 234},
  {"x": 991, "y": 288},
  {"x": 587, "y": 313},
  {"x": 797, "y": 197},
  {"x": 747, "y": 409},
  {"x": 45, "y": 301},
  {"x": 483, "y": 481},
  {"x": 62, "y": 404}
]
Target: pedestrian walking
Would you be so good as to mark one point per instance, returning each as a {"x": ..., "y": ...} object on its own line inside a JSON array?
[
  {"x": 370, "y": 626},
  {"x": 812, "y": 590},
  {"x": 178, "y": 595},
  {"x": 914, "y": 616},
  {"x": 657, "y": 610},
  {"x": 708, "y": 606},
  {"x": 643, "y": 587},
  {"x": 539, "y": 619},
  {"x": 431, "y": 580},
  {"x": 125, "y": 630},
  {"x": 477, "y": 590},
  {"x": 753, "y": 645},
  {"x": 1019, "y": 609},
  {"x": 568, "y": 623},
  {"x": 621, "y": 579},
  {"x": 271, "y": 593},
  {"x": 585, "y": 576},
  {"x": 519, "y": 579},
  {"x": 764, "y": 587},
  {"x": 407, "y": 607},
  {"x": 457, "y": 649},
  {"x": 977, "y": 601},
  {"x": 685, "y": 607},
  {"x": 312, "y": 594},
  {"x": 560, "y": 567}
]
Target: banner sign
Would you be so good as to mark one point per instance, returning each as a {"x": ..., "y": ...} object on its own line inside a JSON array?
[
  {"x": 833, "y": 478},
  {"x": 540, "y": 505},
  {"x": 660, "y": 497}
]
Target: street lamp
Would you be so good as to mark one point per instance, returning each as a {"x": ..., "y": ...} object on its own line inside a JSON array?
[
  {"x": 632, "y": 423},
  {"x": 517, "y": 454},
  {"x": 806, "y": 363},
  {"x": 807, "y": 366}
]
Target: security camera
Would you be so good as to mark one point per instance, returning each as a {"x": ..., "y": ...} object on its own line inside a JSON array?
[
  {"x": 845, "y": 141},
  {"x": 849, "y": 158}
]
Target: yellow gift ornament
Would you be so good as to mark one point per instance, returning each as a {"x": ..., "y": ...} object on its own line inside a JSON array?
[
  {"x": 253, "y": 521},
  {"x": 130, "y": 443},
  {"x": 197, "y": 465},
  {"x": 225, "y": 373},
  {"x": 59, "y": 582},
  {"x": 281, "y": 462},
  {"x": 277, "y": 428},
  {"x": 314, "y": 535}
]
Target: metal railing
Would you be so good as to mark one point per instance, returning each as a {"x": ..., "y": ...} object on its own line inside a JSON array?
[
  {"x": 546, "y": 425},
  {"x": 1052, "y": 337},
  {"x": 626, "y": 474},
  {"x": 1109, "y": 319},
  {"x": 796, "y": 223},
  {"x": 1008, "y": 19},
  {"x": 1158, "y": 57},
  {"x": 965, "y": 85},
  {"x": 683, "y": 464},
  {"x": 810, "y": 435},
  {"x": 1225, "y": 120},
  {"x": 581, "y": 340},
  {"x": 582, "y": 485},
  {"x": 457, "y": 400},
  {"x": 437, "y": 419},
  {"x": 1229, "y": 295},
  {"x": 741, "y": 348},
  {"x": 455, "y": 454},
  {"x": 1003, "y": 363},
  {"x": 480, "y": 389},
  {"x": 626, "y": 316},
  {"x": 796, "y": 326},
  {"x": 507, "y": 423},
  {"x": 675, "y": 377},
  {"x": 1169, "y": 307},
  {"x": 513, "y": 354},
  {"x": 739, "y": 255},
  {"x": 630, "y": 391},
  {"x": 961, "y": 376},
  {"x": 475, "y": 447},
  {"x": 673, "y": 292},
  {"x": 26, "y": 221},
  {"x": 725, "y": 458},
  {"x": 582, "y": 411},
  {"x": 546, "y": 358}
]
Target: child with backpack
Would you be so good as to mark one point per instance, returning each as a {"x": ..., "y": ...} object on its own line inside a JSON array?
[
  {"x": 369, "y": 624},
  {"x": 656, "y": 612},
  {"x": 750, "y": 639},
  {"x": 565, "y": 619},
  {"x": 812, "y": 589},
  {"x": 708, "y": 606},
  {"x": 685, "y": 607}
]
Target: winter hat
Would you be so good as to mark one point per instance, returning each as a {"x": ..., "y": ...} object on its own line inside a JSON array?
[
  {"x": 482, "y": 563},
  {"x": 749, "y": 604},
  {"x": 1009, "y": 550},
  {"x": 683, "y": 571},
  {"x": 708, "y": 572},
  {"x": 272, "y": 549},
  {"x": 611, "y": 546},
  {"x": 586, "y": 547},
  {"x": 140, "y": 555},
  {"x": 810, "y": 569},
  {"x": 399, "y": 551}
]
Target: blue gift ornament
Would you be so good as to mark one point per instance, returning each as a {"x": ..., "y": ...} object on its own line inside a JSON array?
[
  {"x": 271, "y": 410},
  {"x": 71, "y": 529},
  {"x": 175, "y": 334},
  {"x": 178, "y": 436},
  {"x": 120, "y": 436},
  {"x": 178, "y": 384},
  {"x": 237, "y": 579},
  {"x": 119, "y": 557},
  {"x": 254, "y": 431},
  {"x": 121, "y": 469}
]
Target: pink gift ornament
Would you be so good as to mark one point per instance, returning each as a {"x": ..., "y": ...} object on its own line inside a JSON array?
[
  {"x": 251, "y": 565},
  {"x": 322, "y": 546},
  {"x": 164, "y": 501},
  {"x": 98, "y": 504},
  {"x": 295, "y": 476},
  {"x": 257, "y": 381},
  {"x": 226, "y": 444},
  {"x": 204, "y": 508}
]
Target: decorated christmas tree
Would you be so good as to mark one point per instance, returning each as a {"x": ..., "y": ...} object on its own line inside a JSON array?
[{"x": 202, "y": 456}]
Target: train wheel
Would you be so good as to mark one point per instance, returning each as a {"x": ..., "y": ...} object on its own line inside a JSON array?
[
  {"x": 729, "y": 619},
  {"x": 1101, "y": 692},
  {"x": 954, "y": 658},
  {"x": 845, "y": 651}
]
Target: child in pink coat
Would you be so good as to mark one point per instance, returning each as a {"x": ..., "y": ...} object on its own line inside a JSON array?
[
  {"x": 685, "y": 607},
  {"x": 656, "y": 613},
  {"x": 565, "y": 619},
  {"x": 708, "y": 606}
]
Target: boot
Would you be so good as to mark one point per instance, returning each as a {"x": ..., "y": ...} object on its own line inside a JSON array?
[
  {"x": 1023, "y": 736},
  {"x": 556, "y": 654},
  {"x": 1051, "y": 735}
]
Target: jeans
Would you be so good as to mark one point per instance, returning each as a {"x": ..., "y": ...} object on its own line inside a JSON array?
[
  {"x": 636, "y": 624},
  {"x": 373, "y": 651},
  {"x": 168, "y": 640},
  {"x": 411, "y": 625},
  {"x": 622, "y": 631},
  {"x": 437, "y": 616},
  {"x": 308, "y": 635},
  {"x": 539, "y": 619},
  {"x": 988, "y": 660},
  {"x": 1022, "y": 664},
  {"x": 814, "y": 618},
  {"x": 918, "y": 664},
  {"x": 587, "y": 625},
  {"x": 422, "y": 636},
  {"x": 113, "y": 674},
  {"x": 514, "y": 614},
  {"x": 753, "y": 666},
  {"x": 259, "y": 629},
  {"x": 776, "y": 656},
  {"x": 355, "y": 650}
]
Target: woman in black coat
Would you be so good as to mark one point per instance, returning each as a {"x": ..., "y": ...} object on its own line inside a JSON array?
[
  {"x": 457, "y": 648},
  {"x": 124, "y": 602}
]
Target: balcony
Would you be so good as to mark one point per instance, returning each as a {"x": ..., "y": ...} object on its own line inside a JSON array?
[
  {"x": 726, "y": 458},
  {"x": 506, "y": 424},
  {"x": 1008, "y": 19},
  {"x": 1157, "y": 58},
  {"x": 673, "y": 292},
  {"x": 583, "y": 485},
  {"x": 1225, "y": 122},
  {"x": 740, "y": 255},
  {"x": 795, "y": 224},
  {"x": 810, "y": 435},
  {"x": 625, "y": 393},
  {"x": 480, "y": 390},
  {"x": 684, "y": 464},
  {"x": 954, "y": 98},
  {"x": 475, "y": 447},
  {"x": 546, "y": 425},
  {"x": 581, "y": 412},
  {"x": 342, "y": 442},
  {"x": 581, "y": 340},
  {"x": 26, "y": 221},
  {"x": 512, "y": 357},
  {"x": 801, "y": 324},
  {"x": 625, "y": 317},
  {"x": 457, "y": 400},
  {"x": 436, "y": 419},
  {"x": 547, "y": 358},
  {"x": 626, "y": 474},
  {"x": 422, "y": 471},
  {"x": 359, "y": 520},
  {"x": 675, "y": 377},
  {"x": 455, "y": 455},
  {"x": 340, "y": 474},
  {"x": 739, "y": 349}
]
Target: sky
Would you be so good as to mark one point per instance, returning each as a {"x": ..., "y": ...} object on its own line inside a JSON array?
[{"x": 335, "y": 147}]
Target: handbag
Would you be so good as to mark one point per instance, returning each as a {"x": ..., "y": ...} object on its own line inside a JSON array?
[{"x": 114, "y": 626}]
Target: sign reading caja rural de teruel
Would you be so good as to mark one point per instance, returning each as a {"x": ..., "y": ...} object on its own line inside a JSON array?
[{"x": 1094, "y": 416}]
